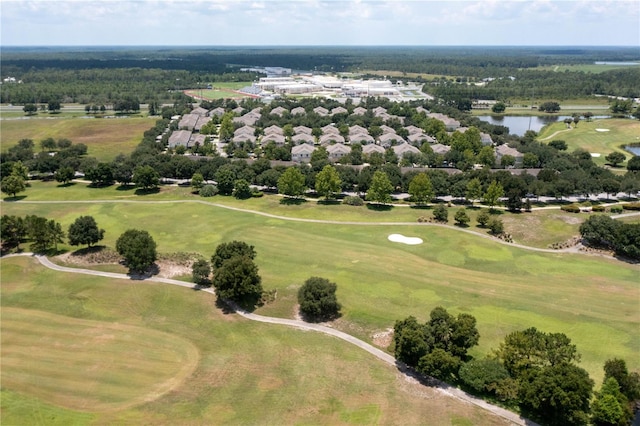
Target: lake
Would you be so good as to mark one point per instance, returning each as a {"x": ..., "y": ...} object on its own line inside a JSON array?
[{"x": 518, "y": 125}]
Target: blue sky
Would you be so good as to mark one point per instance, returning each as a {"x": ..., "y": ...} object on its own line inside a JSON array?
[{"x": 332, "y": 22}]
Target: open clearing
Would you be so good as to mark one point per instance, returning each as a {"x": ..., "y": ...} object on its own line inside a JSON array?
[
  {"x": 248, "y": 373},
  {"x": 104, "y": 137}
]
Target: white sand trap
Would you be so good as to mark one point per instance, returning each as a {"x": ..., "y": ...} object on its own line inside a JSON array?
[
  {"x": 602, "y": 130},
  {"x": 595, "y": 154},
  {"x": 398, "y": 238}
]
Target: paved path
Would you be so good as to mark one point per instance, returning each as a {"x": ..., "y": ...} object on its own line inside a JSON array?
[{"x": 442, "y": 387}]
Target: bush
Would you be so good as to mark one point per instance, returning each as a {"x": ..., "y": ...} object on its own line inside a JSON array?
[
  {"x": 630, "y": 206},
  {"x": 571, "y": 208},
  {"x": 482, "y": 375},
  {"x": 353, "y": 200},
  {"x": 208, "y": 191},
  {"x": 598, "y": 208},
  {"x": 461, "y": 217},
  {"x": 200, "y": 272},
  {"x": 257, "y": 194},
  {"x": 617, "y": 209},
  {"x": 317, "y": 298}
]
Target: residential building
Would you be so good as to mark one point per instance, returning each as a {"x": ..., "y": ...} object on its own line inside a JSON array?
[{"x": 302, "y": 153}]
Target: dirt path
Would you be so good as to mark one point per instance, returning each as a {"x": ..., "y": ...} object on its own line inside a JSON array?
[
  {"x": 383, "y": 356},
  {"x": 555, "y": 134}
]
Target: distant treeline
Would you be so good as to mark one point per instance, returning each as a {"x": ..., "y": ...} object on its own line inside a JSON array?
[{"x": 99, "y": 74}]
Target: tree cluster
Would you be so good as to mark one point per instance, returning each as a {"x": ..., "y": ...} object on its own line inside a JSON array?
[
  {"x": 42, "y": 233},
  {"x": 603, "y": 231}
]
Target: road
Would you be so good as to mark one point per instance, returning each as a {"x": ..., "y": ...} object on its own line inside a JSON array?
[{"x": 383, "y": 356}]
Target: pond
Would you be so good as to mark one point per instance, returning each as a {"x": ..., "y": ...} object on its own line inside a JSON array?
[
  {"x": 518, "y": 125},
  {"x": 635, "y": 150}
]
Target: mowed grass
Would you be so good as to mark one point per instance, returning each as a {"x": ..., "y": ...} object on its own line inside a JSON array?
[
  {"x": 113, "y": 365},
  {"x": 591, "y": 299},
  {"x": 247, "y": 373},
  {"x": 585, "y": 136},
  {"x": 105, "y": 138}
]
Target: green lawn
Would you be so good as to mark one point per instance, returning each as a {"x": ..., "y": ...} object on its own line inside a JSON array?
[
  {"x": 246, "y": 372},
  {"x": 105, "y": 138},
  {"x": 620, "y": 132},
  {"x": 379, "y": 282}
]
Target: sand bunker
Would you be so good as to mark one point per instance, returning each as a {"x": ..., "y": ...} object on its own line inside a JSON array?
[
  {"x": 595, "y": 154},
  {"x": 602, "y": 130},
  {"x": 398, "y": 238}
]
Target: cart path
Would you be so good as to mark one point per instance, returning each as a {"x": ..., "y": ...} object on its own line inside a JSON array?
[
  {"x": 378, "y": 353},
  {"x": 573, "y": 250}
]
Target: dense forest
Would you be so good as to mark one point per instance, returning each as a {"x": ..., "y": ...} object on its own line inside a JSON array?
[{"x": 97, "y": 75}]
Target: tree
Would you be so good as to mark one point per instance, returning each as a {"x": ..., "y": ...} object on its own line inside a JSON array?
[
  {"x": 328, "y": 182},
  {"x": 65, "y": 174},
  {"x": 197, "y": 181},
  {"x": 12, "y": 185},
  {"x": 549, "y": 107},
  {"x": 317, "y": 299},
  {"x": 226, "y": 251},
  {"x": 483, "y": 218},
  {"x": 474, "y": 190},
  {"x": 292, "y": 183},
  {"x": 380, "y": 188},
  {"x": 498, "y": 107},
  {"x": 54, "y": 105},
  {"x": 634, "y": 163},
  {"x": 615, "y": 158},
  {"x": 486, "y": 156},
  {"x": 12, "y": 231},
  {"x": 611, "y": 406},
  {"x": 420, "y": 189},
  {"x": 84, "y": 230},
  {"x": 200, "y": 272},
  {"x": 241, "y": 189},
  {"x": 440, "y": 213},
  {"x": 629, "y": 382},
  {"x": 483, "y": 375},
  {"x": 55, "y": 232},
  {"x": 440, "y": 364},
  {"x": 559, "y": 394},
  {"x": 410, "y": 341},
  {"x": 146, "y": 177},
  {"x": 461, "y": 217},
  {"x": 600, "y": 231},
  {"x": 225, "y": 178},
  {"x": 530, "y": 160},
  {"x": 137, "y": 248},
  {"x": 558, "y": 145},
  {"x": 30, "y": 109},
  {"x": 493, "y": 194},
  {"x": 226, "y": 127},
  {"x": 610, "y": 186},
  {"x": 237, "y": 279},
  {"x": 101, "y": 175}
]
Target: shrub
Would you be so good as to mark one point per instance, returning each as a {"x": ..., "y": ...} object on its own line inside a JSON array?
[
  {"x": 617, "y": 209},
  {"x": 571, "y": 208},
  {"x": 483, "y": 375},
  {"x": 257, "y": 194},
  {"x": 353, "y": 200},
  {"x": 630, "y": 206},
  {"x": 461, "y": 217},
  {"x": 208, "y": 191},
  {"x": 200, "y": 272},
  {"x": 598, "y": 208}
]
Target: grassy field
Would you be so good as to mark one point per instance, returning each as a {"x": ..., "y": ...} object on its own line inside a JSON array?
[
  {"x": 589, "y": 68},
  {"x": 105, "y": 138},
  {"x": 620, "y": 132},
  {"x": 221, "y": 91},
  {"x": 246, "y": 372},
  {"x": 590, "y": 299}
]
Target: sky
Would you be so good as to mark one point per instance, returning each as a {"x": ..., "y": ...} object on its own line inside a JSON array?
[{"x": 314, "y": 22}]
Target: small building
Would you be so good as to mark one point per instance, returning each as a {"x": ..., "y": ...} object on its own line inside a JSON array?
[
  {"x": 359, "y": 111},
  {"x": 321, "y": 111},
  {"x": 302, "y": 129},
  {"x": 298, "y": 111},
  {"x": 303, "y": 138},
  {"x": 219, "y": 112},
  {"x": 331, "y": 138},
  {"x": 200, "y": 111},
  {"x": 361, "y": 138},
  {"x": 302, "y": 153},
  {"x": 180, "y": 138},
  {"x": 440, "y": 149},
  {"x": 188, "y": 121},
  {"x": 387, "y": 129},
  {"x": 273, "y": 129},
  {"x": 388, "y": 139},
  {"x": 279, "y": 111},
  {"x": 279, "y": 140},
  {"x": 330, "y": 129},
  {"x": 337, "y": 151},
  {"x": 245, "y": 130},
  {"x": 413, "y": 129},
  {"x": 339, "y": 110},
  {"x": 356, "y": 129},
  {"x": 404, "y": 149},
  {"x": 420, "y": 138},
  {"x": 377, "y": 111},
  {"x": 505, "y": 149},
  {"x": 371, "y": 148}
]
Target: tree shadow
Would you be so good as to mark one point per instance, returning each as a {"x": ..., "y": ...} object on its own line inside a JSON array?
[
  {"x": 461, "y": 225},
  {"x": 88, "y": 250},
  {"x": 14, "y": 198},
  {"x": 330, "y": 202},
  {"x": 420, "y": 207},
  {"x": 379, "y": 207},
  {"x": 147, "y": 191},
  {"x": 125, "y": 187},
  {"x": 321, "y": 318},
  {"x": 288, "y": 201},
  {"x": 148, "y": 273},
  {"x": 66, "y": 184}
]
